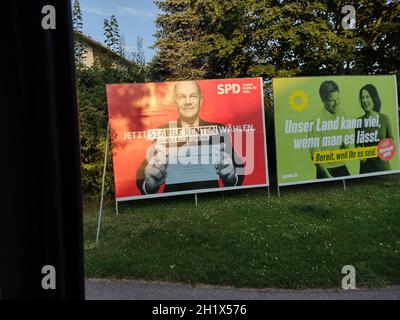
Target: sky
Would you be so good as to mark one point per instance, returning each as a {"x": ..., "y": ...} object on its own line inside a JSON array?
[{"x": 136, "y": 18}]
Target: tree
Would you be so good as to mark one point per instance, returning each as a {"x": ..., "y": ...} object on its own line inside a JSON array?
[
  {"x": 108, "y": 33},
  {"x": 93, "y": 117},
  {"x": 138, "y": 56},
  {"x": 269, "y": 38},
  {"x": 273, "y": 38},
  {"x": 122, "y": 48},
  {"x": 77, "y": 16},
  {"x": 78, "y": 26},
  {"x": 114, "y": 40},
  {"x": 176, "y": 40}
]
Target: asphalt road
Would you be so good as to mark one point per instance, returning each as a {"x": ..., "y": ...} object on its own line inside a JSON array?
[{"x": 142, "y": 290}]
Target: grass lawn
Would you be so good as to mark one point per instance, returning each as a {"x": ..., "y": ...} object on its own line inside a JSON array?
[{"x": 245, "y": 239}]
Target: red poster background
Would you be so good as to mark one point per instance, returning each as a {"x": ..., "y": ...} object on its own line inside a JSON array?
[{"x": 141, "y": 107}]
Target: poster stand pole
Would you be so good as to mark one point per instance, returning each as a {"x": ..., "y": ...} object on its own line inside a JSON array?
[
  {"x": 102, "y": 184},
  {"x": 116, "y": 207},
  {"x": 344, "y": 184},
  {"x": 279, "y": 192},
  {"x": 269, "y": 193},
  {"x": 195, "y": 199}
]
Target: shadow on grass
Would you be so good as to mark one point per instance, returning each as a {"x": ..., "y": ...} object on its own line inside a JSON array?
[
  {"x": 243, "y": 238},
  {"x": 325, "y": 189},
  {"x": 312, "y": 210}
]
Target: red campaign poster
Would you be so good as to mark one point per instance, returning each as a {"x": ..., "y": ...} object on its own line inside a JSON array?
[{"x": 186, "y": 137}]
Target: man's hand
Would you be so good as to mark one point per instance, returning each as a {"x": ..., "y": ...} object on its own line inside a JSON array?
[
  {"x": 225, "y": 168},
  {"x": 155, "y": 172}
]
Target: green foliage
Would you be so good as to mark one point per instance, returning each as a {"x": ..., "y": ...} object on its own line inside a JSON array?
[
  {"x": 93, "y": 118},
  {"x": 78, "y": 26},
  {"x": 274, "y": 38},
  {"x": 138, "y": 56},
  {"x": 114, "y": 40},
  {"x": 77, "y": 16},
  {"x": 212, "y": 39}
]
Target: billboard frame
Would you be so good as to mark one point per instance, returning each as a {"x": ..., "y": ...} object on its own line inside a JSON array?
[{"x": 344, "y": 178}]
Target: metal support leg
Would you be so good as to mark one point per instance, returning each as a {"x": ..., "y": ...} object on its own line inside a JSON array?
[{"x": 102, "y": 186}]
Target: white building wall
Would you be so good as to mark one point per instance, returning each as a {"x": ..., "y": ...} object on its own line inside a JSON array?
[{"x": 88, "y": 57}]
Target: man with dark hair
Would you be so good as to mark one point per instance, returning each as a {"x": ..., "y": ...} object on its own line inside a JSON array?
[
  {"x": 328, "y": 88},
  {"x": 153, "y": 173},
  {"x": 331, "y": 114}
]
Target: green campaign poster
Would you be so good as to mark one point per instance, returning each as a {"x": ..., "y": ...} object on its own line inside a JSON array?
[{"x": 333, "y": 128}]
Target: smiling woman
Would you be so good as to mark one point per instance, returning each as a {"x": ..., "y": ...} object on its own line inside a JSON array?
[{"x": 376, "y": 127}]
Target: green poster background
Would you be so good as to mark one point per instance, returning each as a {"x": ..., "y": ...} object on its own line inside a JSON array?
[{"x": 295, "y": 166}]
